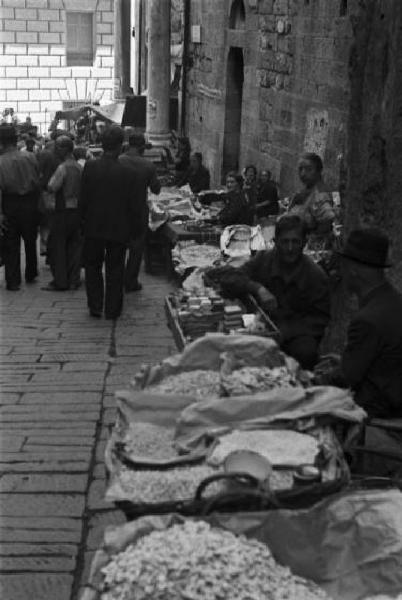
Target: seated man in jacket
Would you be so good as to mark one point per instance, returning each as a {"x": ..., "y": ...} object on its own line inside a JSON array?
[
  {"x": 371, "y": 363},
  {"x": 197, "y": 176},
  {"x": 290, "y": 287}
]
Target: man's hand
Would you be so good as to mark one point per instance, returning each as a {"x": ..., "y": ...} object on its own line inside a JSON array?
[{"x": 266, "y": 300}]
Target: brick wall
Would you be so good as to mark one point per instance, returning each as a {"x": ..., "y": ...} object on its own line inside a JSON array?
[
  {"x": 34, "y": 78},
  {"x": 296, "y": 89}
]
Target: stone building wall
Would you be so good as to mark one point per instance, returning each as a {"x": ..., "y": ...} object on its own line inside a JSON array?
[
  {"x": 296, "y": 88},
  {"x": 34, "y": 78}
]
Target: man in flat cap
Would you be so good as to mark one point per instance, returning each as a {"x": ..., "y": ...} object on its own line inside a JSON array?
[
  {"x": 145, "y": 174},
  {"x": 19, "y": 196},
  {"x": 371, "y": 363}
]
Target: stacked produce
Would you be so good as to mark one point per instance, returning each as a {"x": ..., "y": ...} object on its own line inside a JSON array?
[
  {"x": 214, "y": 384},
  {"x": 194, "y": 561},
  {"x": 171, "y": 485},
  {"x": 198, "y": 383},
  {"x": 251, "y": 380},
  {"x": 280, "y": 447},
  {"x": 189, "y": 254},
  {"x": 198, "y": 312},
  {"x": 232, "y": 317},
  {"x": 149, "y": 440}
]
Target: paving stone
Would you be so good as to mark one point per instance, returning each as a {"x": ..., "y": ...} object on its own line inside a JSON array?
[
  {"x": 51, "y": 426},
  {"x": 99, "y": 471},
  {"x": 77, "y": 432},
  {"x": 36, "y": 586},
  {"x": 43, "y": 483},
  {"x": 43, "y": 523},
  {"x": 84, "y": 397},
  {"x": 22, "y": 358},
  {"x": 39, "y": 417},
  {"x": 13, "y": 505},
  {"x": 85, "y": 366},
  {"x": 49, "y": 356},
  {"x": 98, "y": 523},
  {"x": 38, "y": 456},
  {"x": 12, "y": 443},
  {"x": 53, "y": 535},
  {"x": 82, "y": 378},
  {"x": 53, "y": 467},
  {"x": 51, "y": 386},
  {"x": 59, "y": 440},
  {"x": 96, "y": 496},
  {"x": 19, "y": 549},
  {"x": 100, "y": 451},
  {"x": 56, "y": 448},
  {"x": 37, "y": 564},
  {"x": 88, "y": 559}
]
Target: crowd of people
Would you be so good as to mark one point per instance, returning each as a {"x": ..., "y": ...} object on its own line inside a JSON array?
[
  {"x": 88, "y": 213},
  {"x": 94, "y": 213}
]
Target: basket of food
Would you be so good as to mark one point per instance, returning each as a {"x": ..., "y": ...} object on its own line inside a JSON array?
[
  {"x": 206, "y": 403},
  {"x": 170, "y": 557},
  {"x": 345, "y": 547}
]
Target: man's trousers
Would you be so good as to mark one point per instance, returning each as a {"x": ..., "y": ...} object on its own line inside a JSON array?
[
  {"x": 65, "y": 248},
  {"x": 21, "y": 213},
  {"x": 110, "y": 295},
  {"x": 133, "y": 263}
]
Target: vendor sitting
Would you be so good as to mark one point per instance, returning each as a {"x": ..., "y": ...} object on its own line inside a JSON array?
[
  {"x": 238, "y": 209},
  {"x": 267, "y": 196},
  {"x": 314, "y": 203},
  {"x": 182, "y": 158},
  {"x": 290, "y": 287},
  {"x": 197, "y": 176},
  {"x": 371, "y": 363}
]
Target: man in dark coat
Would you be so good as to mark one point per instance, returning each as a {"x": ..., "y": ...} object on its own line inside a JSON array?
[
  {"x": 19, "y": 197},
  {"x": 110, "y": 219},
  {"x": 290, "y": 287},
  {"x": 371, "y": 363},
  {"x": 145, "y": 174}
]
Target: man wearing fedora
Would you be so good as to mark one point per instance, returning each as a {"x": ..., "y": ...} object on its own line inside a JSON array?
[
  {"x": 145, "y": 173},
  {"x": 371, "y": 363}
]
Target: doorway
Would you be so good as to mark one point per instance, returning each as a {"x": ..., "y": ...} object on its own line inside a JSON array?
[{"x": 233, "y": 106}]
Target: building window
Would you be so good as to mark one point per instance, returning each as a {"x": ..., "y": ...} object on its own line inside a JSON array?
[{"x": 80, "y": 39}]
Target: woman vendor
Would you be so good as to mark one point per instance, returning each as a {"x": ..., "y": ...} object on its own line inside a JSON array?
[
  {"x": 314, "y": 203},
  {"x": 267, "y": 196},
  {"x": 238, "y": 210},
  {"x": 182, "y": 158}
]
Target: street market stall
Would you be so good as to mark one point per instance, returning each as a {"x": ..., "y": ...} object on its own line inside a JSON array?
[{"x": 182, "y": 463}]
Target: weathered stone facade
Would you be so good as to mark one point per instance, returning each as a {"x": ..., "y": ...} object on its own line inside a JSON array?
[
  {"x": 34, "y": 78},
  {"x": 296, "y": 89}
]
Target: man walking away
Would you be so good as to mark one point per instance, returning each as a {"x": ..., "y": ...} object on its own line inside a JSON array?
[
  {"x": 145, "y": 174},
  {"x": 65, "y": 235},
  {"x": 19, "y": 196},
  {"x": 110, "y": 219},
  {"x": 48, "y": 162}
]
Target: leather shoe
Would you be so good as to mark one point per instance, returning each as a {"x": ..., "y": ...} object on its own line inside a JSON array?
[
  {"x": 134, "y": 288},
  {"x": 13, "y": 288},
  {"x": 97, "y": 314},
  {"x": 53, "y": 288}
]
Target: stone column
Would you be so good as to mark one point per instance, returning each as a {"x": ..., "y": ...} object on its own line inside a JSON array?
[
  {"x": 122, "y": 45},
  {"x": 158, "y": 25}
]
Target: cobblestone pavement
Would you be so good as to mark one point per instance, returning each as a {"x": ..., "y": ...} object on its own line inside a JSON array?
[{"x": 59, "y": 371}]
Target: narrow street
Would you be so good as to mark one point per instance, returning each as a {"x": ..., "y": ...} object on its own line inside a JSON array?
[{"x": 59, "y": 372}]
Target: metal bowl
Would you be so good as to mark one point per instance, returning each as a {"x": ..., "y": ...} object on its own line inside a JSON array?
[{"x": 247, "y": 461}]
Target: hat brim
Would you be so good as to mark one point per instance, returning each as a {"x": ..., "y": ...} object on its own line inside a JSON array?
[{"x": 363, "y": 262}]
